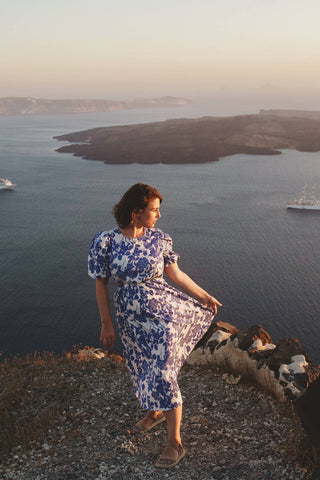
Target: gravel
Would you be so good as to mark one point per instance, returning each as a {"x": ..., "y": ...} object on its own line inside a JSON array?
[{"x": 230, "y": 431}]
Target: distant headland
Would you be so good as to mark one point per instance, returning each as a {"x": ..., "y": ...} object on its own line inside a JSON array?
[
  {"x": 198, "y": 140},
  {"x": 41, "y": 106}
]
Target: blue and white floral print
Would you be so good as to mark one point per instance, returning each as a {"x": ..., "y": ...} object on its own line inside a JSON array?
[{"x": 158, "y": 324}]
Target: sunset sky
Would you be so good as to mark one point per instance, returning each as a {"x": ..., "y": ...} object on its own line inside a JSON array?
[{"x": 129, "y": 48}]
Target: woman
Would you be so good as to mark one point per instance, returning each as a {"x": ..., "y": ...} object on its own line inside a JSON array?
[{"x": 158, "y": 324}]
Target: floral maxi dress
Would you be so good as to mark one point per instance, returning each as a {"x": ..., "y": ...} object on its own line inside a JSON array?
[{"x": 158, "y": 324}]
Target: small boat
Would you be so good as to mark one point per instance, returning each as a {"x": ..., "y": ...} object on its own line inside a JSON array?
[
  {"x": 304, "y": 203},
  {"x": 6, "y": 184}
]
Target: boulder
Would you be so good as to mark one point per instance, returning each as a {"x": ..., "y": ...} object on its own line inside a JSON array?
[
  {"x": 247, "y": 337},
  {"x": 223, "y": 326},
  {"x": 284, "y": 351}
]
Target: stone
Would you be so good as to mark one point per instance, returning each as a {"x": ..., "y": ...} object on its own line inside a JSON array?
[
  {"x": 224, "y": 326},
  {"x": 284, "y": 351},
  {"x": 87, "y": 353},
  {"x": 261, "y": 356},
  {"x": 258, "y": 346},
  {"x": 219, "y": 338},
  {"x": 247, "y": 337},
  {"x": 307, "y": 407},
  {"x": 289, "y": 371}
]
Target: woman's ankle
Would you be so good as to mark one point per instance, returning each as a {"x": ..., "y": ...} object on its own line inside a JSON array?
[{"x": 174, "y": 441}]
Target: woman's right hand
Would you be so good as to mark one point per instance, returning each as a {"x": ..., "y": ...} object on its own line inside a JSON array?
[{"x": 107, "y": 336}]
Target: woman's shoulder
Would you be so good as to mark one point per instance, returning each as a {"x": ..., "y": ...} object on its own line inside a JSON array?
[
  {"x": 103, "y": 237},
  {"x": 157, "y": 233}
]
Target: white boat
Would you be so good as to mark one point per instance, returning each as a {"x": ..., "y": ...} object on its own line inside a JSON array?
[
  {"x": 6, "y": 184},
  {"x": 304, "y": 203}
]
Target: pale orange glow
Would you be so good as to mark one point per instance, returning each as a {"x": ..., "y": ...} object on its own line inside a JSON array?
[{"x": 77, "y": 48}]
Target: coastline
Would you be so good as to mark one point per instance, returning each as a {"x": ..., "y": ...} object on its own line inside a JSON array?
[{"x": 45, "y": 106}]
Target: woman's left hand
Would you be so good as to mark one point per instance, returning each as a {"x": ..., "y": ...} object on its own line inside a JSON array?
[{"x": 211, "y": 302}]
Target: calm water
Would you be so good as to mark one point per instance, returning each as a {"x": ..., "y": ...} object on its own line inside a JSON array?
[{"x": 228, "y": 221}]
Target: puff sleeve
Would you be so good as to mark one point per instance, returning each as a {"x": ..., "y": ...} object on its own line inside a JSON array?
[
  {"x": 168, "y": 254},
  {"x": 98, "y": 261}
]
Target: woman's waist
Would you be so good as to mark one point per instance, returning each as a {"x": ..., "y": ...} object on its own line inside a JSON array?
[{"x": 136, "y": 282}]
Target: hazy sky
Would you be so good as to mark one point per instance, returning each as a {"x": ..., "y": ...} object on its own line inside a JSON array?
[{"x": 128, "y": 48}]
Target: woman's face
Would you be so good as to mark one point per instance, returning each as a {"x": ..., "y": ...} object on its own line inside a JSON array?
[{"x": 148, "y": 217}]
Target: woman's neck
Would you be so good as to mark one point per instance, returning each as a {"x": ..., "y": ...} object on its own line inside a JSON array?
[{"x": 132, "y": 231}]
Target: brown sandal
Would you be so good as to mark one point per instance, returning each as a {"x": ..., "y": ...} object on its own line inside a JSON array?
[
  {"x": 164, "y": 462},
  {"x": 159, "y": 419}
]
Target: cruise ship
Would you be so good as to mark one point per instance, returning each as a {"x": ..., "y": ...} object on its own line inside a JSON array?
[
  {"x": 303, "y": 203},
  {"x": 6, "y": 184}
]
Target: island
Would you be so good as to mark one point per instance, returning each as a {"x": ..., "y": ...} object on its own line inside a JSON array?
[
  {"x": 197, "y": 140},
  {"x": 41, "y": 106}
]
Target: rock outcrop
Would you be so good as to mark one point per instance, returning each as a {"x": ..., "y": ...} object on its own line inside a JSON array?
[{"x": 284, "y": 369}]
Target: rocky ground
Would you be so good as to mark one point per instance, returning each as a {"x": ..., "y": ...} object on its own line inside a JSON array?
[{"x": 230, "y": 430}]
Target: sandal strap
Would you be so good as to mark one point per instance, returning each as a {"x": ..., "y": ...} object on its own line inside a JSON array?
[{"x": 177, "y": 446}]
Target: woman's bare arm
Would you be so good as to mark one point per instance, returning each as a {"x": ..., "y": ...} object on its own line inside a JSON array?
[
  {"x": 189, "y": 286},
  {"x": 108, "y": 335}
]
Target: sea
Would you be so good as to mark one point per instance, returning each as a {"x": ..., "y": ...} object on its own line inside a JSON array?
[{"x": 228, "y": 220}]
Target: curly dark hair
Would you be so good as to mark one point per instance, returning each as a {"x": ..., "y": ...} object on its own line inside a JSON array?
[{"x": 134, "y": 199}]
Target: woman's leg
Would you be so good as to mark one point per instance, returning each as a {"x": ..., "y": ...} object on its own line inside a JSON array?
[
  {"x": 173, "y": 418},
  {"x": 173, "y": 451}
]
